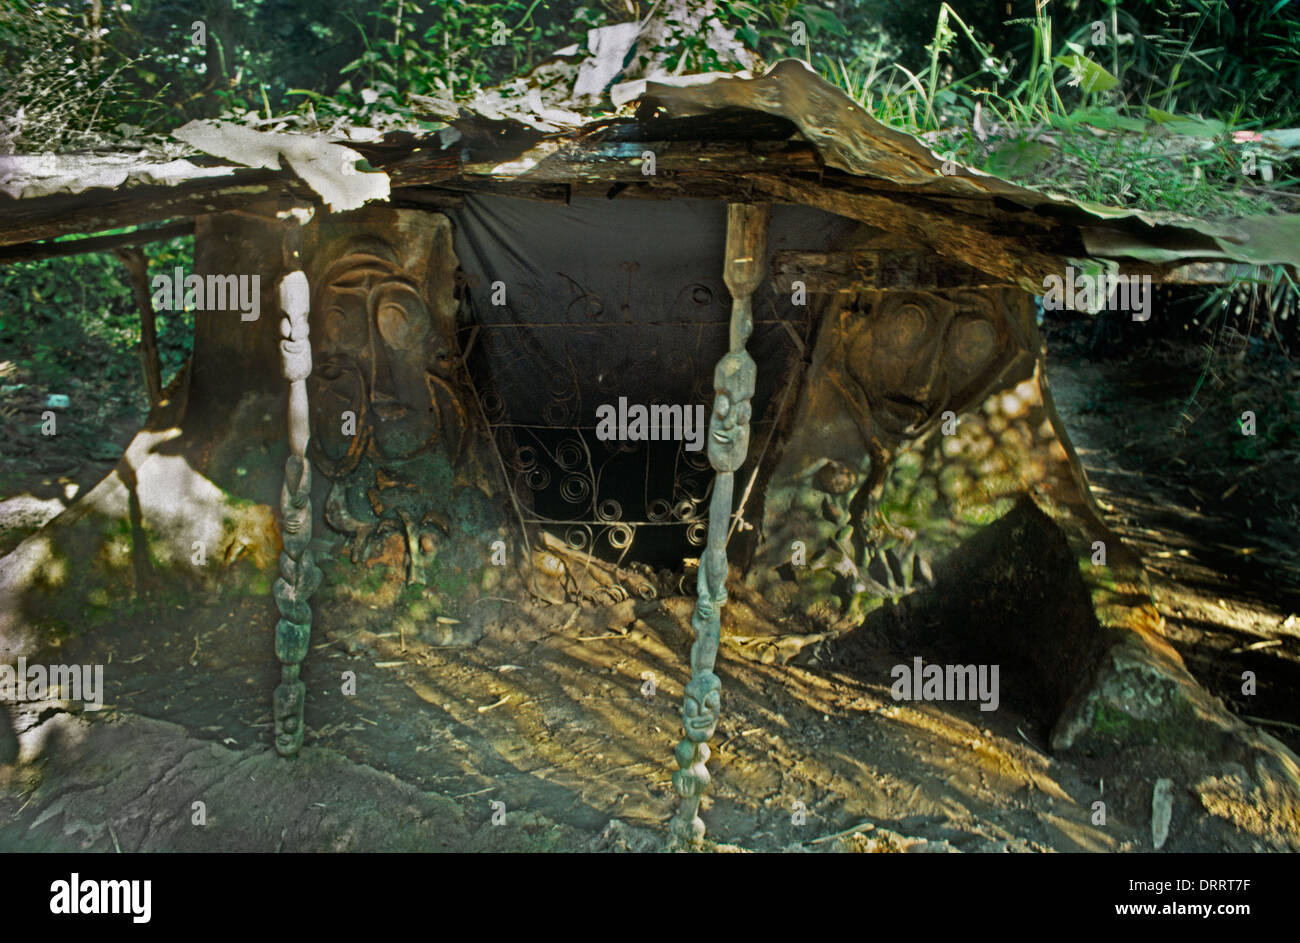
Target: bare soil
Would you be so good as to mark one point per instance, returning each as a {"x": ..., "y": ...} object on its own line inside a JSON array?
[{"x": 568, "y": 714}]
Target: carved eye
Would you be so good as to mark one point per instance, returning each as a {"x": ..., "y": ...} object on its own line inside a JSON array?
[
  {"x": 334, "y": 322},
  {"x": 342, "y": 327},
  {"x": 401, "y": 316},
  {"x": 972, "y": 342},
  {"x": 394, "y": 326},
  {"x": 904, "y": 326}
]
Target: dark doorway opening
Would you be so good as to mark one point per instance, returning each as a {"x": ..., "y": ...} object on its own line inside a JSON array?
[{"x": 568, "y": 308}]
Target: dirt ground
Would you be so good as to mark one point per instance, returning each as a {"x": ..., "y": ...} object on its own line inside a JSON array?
[
  {"x": 1215, "y": 517},
  {"x": 564, "y": 717}
]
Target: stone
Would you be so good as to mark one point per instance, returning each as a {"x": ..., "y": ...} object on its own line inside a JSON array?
[
  {"x": 1141, "y": 696},
  {"x": 1162, "y": 810}
]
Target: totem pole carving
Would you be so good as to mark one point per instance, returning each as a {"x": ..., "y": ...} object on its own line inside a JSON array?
[
  {"x": 728, "y": 444},
  {"x": 299, "y": 575}
]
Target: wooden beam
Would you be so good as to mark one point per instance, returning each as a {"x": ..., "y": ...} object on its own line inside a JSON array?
[
  {"x": 584, "y": 160},
  {"x": 32, "y": 251},
  {"x": 540, "y": 192},
  {"x": 426, "y": 198},
  {"x": 97, "y": 210},
  {"x": 968, "y": 241},
  {"x": 873, "y": 270},
  {"x": 422, "y": 167}
]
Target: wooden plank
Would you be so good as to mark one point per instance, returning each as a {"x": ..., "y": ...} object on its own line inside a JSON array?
[{"x": 541, "y": 192}]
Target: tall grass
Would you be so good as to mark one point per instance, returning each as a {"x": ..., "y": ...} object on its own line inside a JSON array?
[{"x": 1064, "y": 121}]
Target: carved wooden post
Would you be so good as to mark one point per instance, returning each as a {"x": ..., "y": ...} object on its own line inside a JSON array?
[
  {"x": 299, "y": 575},
  {"x": 733, "y": 384}
]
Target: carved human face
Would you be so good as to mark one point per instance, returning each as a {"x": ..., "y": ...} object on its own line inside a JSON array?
[
  {"x": 701, "y": 706},
  {"x": 918, "y": 354},
  {"x": 375, "y": 342},
  {"x": 711, "y": 584},
  {"x": 733, "y": 386}
]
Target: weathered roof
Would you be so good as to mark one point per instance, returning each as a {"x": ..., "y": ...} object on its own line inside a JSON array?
[{"x": 786, "y": 136}]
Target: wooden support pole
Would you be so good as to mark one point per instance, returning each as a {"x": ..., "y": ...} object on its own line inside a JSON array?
[
  {"x": 733, "y": 383},
  {"x": 299, "y": 575},
  {"x": 137, "y": 268}
]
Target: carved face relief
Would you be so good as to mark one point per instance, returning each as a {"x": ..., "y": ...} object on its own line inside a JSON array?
[
  {"x": 733, "y": 385},
  {"x": 917, "y": 355},
  {"x": 378, "y": 358},
  {"x": 288, "y": 703},
  {"x": 701, "y": 706}
]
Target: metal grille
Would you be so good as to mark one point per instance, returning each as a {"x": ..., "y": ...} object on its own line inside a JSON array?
[
  {"x": 643, "y": 500},
  {"x": 572, "y": 307}
]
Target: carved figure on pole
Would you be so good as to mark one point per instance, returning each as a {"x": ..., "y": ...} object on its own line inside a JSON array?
[
  {"x": 299, "y": 575},
  {"x": 733, "y": 384}
]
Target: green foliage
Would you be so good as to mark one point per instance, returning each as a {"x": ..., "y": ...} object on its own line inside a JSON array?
[
  {"x": 76, "y": 319},
  {"x": 55, "y": 80},
  {"x": 770, "y": 27},
  {"x": 1204, "y": 55},
  {"x": 1245, "y": 303},
  {"x": 1188, "y": 56},
  {"x": 447, "y": 49},
  {"x": 1063, "y": 122},
  {"x": 359, "y": 58}
]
